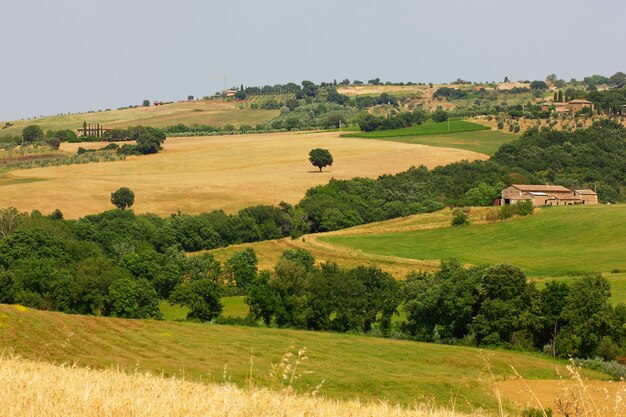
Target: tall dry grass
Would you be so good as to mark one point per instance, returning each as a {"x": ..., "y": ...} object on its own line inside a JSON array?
[{"x": 32, "y": 389}]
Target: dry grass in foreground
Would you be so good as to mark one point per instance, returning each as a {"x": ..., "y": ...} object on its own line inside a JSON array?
[{"x": 36, "y": 389}]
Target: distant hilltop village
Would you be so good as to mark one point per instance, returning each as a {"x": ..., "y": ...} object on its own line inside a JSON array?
[{"x": 546, "y": 195}]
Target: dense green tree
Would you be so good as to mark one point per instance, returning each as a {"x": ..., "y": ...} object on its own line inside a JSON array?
[
  {"x": 133, "y": 298},
  {"x": 439, "y": 116},
  {"x": 241, "y": 268},
  {"x": 123, "y": 198},
  {"x": 483, "y": 194},
  {"x": 32, "y": 133},
  {"x": 320, "y": 158},
  {"x": 538, "y": 85},
  {"x": 309, "y": 88},
  {"x": 262, "y": 300},
  {"x": 201, "y": 297},
  {"x": 586, "y": 316},
  {"x": 508, "y": 311}
]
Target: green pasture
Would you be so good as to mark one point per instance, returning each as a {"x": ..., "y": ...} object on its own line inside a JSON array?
[
  {"x": 554, "y": 241},
  {"x": 428, "y": 128},
  {"x": 483, "y": 141}
]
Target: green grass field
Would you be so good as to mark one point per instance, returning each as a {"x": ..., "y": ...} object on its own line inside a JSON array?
[
  {"x": 350, "y": 366},
  {"x": 555, "y": 241},
  {"x": 483, "y": 141},
  {"x": 428, "y": 128}
]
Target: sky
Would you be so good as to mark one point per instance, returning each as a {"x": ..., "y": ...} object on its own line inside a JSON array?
[{"x": 78, "y": 55}]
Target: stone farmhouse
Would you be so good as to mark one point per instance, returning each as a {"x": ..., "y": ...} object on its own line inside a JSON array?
[
  {"x": 546, "y": 195},
  {"x": 572, "y": 106}
]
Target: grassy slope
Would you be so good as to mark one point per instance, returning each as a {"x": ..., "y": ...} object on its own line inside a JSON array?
[
  {"x": 558, "y": 240},
  {"x": 352, "y": 366},
  {"x": 209, "y": 112},
  {"x": 483, "y": 141}
]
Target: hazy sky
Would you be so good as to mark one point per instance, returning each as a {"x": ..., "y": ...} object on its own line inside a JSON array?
[{"x": 76, "y": 55}]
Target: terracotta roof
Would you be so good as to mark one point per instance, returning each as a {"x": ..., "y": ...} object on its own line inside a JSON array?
[
  {"x": 581, "y": 102},
  {"x": 586, "y": 192},
  {"x": 541, "y": 188}
]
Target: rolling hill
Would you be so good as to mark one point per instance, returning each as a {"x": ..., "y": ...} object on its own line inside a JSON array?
[
  {"x": 209, "y": 112},
  {"x": 351, "y": 366},
  {"x": 556, "y": 241}
]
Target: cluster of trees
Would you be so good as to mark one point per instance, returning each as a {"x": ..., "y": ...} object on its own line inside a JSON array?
[
  {"x": 302, "y": 295},
  {"x": 102, "y": 262},
  {"x": 363, "y": 102},
  {"x": 584, "y": 158},
  {"x": 148, "y": 139},
  {"x": 370, "y": 122},
  {"x": 496, "y": 305},
  {"x": 609, "y": 101},
  {"x": 450, "y": 93}
]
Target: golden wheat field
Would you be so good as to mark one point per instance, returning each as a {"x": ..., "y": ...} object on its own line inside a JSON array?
[
  {"x": 200, "y": 174},
  {"x": 33, "y": 389}
]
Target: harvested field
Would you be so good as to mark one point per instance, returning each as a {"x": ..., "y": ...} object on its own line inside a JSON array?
[{"x": 198, "y": 174}]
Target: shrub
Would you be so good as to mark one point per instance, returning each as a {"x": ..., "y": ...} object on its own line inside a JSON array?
[
  {"x": 459, "y": 217},
  {"x": 524, "y": 208},
  {"x": 612, "y": 368},
  {"x": 506, "y": 212},
  {"x": 439, "y": 116}
]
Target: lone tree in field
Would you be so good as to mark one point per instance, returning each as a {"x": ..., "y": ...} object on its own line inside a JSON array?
[
  {"x": 320, "y": 158},
  {"x": 123, "y": 198}
]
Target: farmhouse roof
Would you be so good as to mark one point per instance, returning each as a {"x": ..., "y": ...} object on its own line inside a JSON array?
[
  {"x": 577, "y": 101},
  {"x": 586, "y": 192},
  {"x": 541, "y": 188}
]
